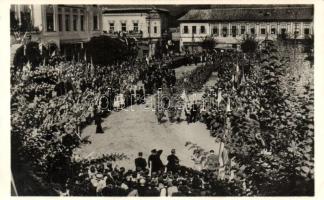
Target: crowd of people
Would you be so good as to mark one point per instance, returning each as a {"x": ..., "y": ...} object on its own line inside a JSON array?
[
  {"x": 149, "y": 178},
  {"x": 51, "y": 104}
]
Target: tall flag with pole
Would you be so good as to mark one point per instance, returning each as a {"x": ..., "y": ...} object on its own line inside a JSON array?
[
  {"x": 85, "y": 56},
  {"x": 28, "y": 66},
  {"x": 92, "y": 68},
  {"x": 219, "y": 97},
  {"x": 243, "y": 78},
  {"x": 228, "y": 107}
]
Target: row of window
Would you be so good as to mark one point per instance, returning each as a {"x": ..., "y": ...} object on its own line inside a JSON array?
[
  {"x": 234, "y": 32},
  {"x": 75, "y": 20},
  {"x": 124, "y": 28}
]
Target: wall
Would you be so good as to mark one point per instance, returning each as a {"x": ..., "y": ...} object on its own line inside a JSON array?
[{"x": 289, "y": 26}]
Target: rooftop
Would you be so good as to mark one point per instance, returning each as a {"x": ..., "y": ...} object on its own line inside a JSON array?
[
  {"x": 262, "y": 13},
  {"x": 132, "y": 9}
]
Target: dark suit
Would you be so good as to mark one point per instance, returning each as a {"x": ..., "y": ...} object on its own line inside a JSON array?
[
  {"x": 173, "y": 162},
  {"x": 156, "y": 162},
  {"x": 140, "y": 163}
]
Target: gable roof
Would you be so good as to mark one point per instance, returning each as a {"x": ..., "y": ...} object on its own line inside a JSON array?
[{"x": 250, "y": 14}]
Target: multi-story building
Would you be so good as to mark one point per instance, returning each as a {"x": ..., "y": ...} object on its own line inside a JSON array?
[
  {"x": 229, "y": 26},
  {"x": 146, "y": 24},
  {"x": 68, "y": 26}
]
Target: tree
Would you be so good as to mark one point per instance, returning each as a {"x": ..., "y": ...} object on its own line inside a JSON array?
[
  {"x": 106, "y": 50},
  {"x": 31, "y": 54},
  {"x": 249, "y": 45},
  {"x": 208, "y": 43}
]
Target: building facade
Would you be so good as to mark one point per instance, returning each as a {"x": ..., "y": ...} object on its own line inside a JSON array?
[
  {"x": 229, "y": 26},
  {"x": 146, "y": 24},
  {"x": 64, "y": 25}
]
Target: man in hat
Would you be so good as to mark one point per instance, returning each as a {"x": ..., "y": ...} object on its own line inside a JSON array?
[
  {"x": 173, "y": 162},
  {"x": 140, "y": 162},
  {"x": 154, "y": 161}
]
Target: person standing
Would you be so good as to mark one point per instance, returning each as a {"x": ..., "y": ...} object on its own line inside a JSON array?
[
  {"x": 154, "y": 161},
  {"x": 140, "y": 162},
  {"x": 173, "y": 162},
  {"x": 212, "y": 162},
  {"x": 97, "y": 118}
]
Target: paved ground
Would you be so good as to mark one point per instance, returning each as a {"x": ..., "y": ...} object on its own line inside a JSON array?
[{"x": 138, "y": 130}]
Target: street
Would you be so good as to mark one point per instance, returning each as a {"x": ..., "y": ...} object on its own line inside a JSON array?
[{"x": 131, "y": 131}]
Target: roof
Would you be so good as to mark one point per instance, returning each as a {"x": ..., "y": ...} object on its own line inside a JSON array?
[
  {"x": 132, "y": 9},
  {"x": 250, "y": 14}
]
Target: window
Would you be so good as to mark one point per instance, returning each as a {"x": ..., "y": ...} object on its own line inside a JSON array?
[
  {"x": 242, "y": 30},
  {"x": 185, "y": 29},
  {"x": 306, "y": 31},
  {"x": 49, "y": 19},
  {"x": 135, "y": 27},
  {"x": 82, "y": 22},
  {"x": 155, "y": 29},
  {"x": 95, "y": 22},
  {"x": 123, "y": 27},
  {"x": 75, "y": 20},
  {"x": 252, "y": 31},
  {"x": 194, "y": 29},
  {"x": 60, "y": 22},
  {"x": 273, "y": 31},
  {"x": 202, "y": 29},
  {"x": 215, "y": 30},
  {"x": 234, "y": 31},
  {"x": 111, "y": 27},
  {"x": 263, "y": 31},
  {"x": 297, "y": 29},
  {"x": 224, "y": 31},
  {"x": 283, "y": 31},
  {"x": 67, "y": 22}
]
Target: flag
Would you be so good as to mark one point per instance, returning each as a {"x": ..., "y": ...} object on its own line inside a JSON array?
[
  {"x": 232, "y": 78},
  {"x": 53, "y": 54},
  {"x": 25, "y": 47},
  {"x": 243, "y": 78},
  {"x": 28, "y": 66},
  {"x": 92, "y": 67},
  {"x": 184, "y": 96},
  {"x": 85, "y": 56},
  {"x": 44, "y": 62},
  {"x": 228, "y": 107},
  {"x": 219, "y": 97}
]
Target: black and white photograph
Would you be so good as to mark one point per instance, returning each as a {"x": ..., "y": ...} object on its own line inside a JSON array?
[{"x": 162, "y": 100}]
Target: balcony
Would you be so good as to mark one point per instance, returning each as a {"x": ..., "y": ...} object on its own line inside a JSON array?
[{"x": 127, "y": 34}]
